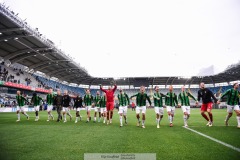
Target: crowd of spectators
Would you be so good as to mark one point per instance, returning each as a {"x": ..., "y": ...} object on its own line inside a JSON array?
[{"x": 3, "y": 72}]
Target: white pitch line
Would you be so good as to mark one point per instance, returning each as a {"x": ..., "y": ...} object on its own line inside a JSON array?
[
  {"x": 213, "y": 139},
  {"x": 214, "y": 126}
]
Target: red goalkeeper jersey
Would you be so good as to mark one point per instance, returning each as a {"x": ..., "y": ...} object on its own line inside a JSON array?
[{"x": 109, "y": 93}]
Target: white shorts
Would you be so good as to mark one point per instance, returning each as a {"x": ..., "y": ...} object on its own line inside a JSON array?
[
  {"x": 159, "y": 110},
  {"x": 97, "y": 109},
  {"x": 141, "y": 108},
  {"x": 88, "y": 108},
  {"x": 21, "y": 109},
  {"x": 78, "y": 109},
  {"x": 122, "y": 109},
  {"x": 49, "y": 108},
  {"x": 171, "y": 109},
  {"x": 65, "y": 109},
  {"x": 36, "y": 108},
  {"x": 103, "y": 110},
  {"x": 186, "y": 109},
  {"x": 230, "y": 108}
]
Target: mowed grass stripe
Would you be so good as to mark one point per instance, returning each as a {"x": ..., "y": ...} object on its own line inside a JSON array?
[{"x": 52, "y": 140}]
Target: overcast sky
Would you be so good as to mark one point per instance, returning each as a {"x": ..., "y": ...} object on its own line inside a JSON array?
[{"x": 139, "y": 38}]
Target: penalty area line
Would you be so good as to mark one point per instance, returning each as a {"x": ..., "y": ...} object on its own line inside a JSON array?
[{"x": 213, "y": 139}]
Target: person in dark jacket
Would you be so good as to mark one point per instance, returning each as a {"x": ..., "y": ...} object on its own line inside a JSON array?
[
  {"x": 66, "y": 106},
  {"x": 78, "y": 105},
  {"x": 58, "y": 102},
  {"x": 206, "y": 95}
]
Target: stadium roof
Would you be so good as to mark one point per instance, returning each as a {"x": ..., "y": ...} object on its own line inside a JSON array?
[{"x": 19, "y": 43}]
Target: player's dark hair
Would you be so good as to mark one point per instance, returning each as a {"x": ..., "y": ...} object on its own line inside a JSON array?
[{"x": 235, "y": 84}]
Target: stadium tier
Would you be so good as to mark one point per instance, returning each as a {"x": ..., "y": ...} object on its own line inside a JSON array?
[{"x": 42, "y": 85}]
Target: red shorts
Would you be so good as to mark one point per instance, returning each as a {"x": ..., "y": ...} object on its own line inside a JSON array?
[
  {"x": 206, "y": 106},
  {"x": 110, "y": 106}
]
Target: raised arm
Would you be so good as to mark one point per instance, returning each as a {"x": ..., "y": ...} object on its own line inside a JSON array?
[
  {"x": 102, "y": 89},
  {"x": 115, "y": 87}
]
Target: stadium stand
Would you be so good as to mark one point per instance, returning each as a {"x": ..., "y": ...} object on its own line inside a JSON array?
[
  {"x": 25, "y": 52},
  {"x": 16, "y": 74}
]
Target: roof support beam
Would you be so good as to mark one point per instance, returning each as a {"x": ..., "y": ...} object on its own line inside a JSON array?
[
  {"x": 19, "y": 52},
  {"x": 11, "y": 29},
  {"x": 40, "y": 64},
  {"x": 210, "y": 77},
  {"x": 45, "y": 66},
  {"x": 13, "y": 37},
  {"x": 173, "y": 80},
  {"x": 167, "y": 82},
  {"x": 27, "y": 55}
]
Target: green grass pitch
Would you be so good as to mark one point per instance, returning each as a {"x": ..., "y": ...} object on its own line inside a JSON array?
[{"x": 27, "y": 140}]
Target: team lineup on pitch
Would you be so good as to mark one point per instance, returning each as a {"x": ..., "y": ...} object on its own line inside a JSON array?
[{"x": 104, "y": 105}]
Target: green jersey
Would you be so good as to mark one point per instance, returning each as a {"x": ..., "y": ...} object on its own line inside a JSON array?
[
  {"x": 20, "y": 100},
  {"x": 97, "y": 100},
  {"x": 141, "y": 99},
  {"x": 232, "y": 96},
  {"x": 171, "y": 99},
  {"x": 158, "y": 102},
  {"x": 88, "y": 99},
  {"x": 36, "y": 100},
  {"x": 50, "y": 99},
  {"x": 137, "y": 99},
  {"x": 183, "y": 98},
  {"x": 123, "y": 99},
  {"x": 103, "y": 102}
]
